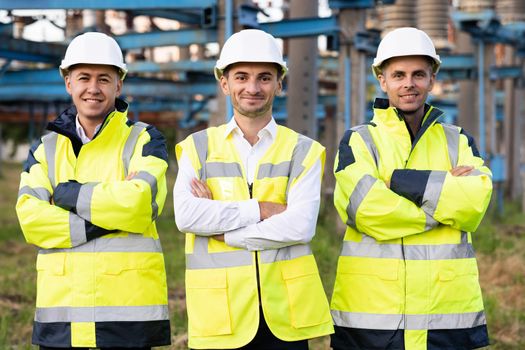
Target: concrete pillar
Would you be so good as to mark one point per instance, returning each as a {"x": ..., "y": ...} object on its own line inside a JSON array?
[
  {"x": 302, "y": 89},
  {"x": 220, "y": 115},
  {"x": 467, "y": 110}
]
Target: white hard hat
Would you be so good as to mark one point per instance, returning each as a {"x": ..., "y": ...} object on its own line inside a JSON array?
[
  {"x": 405, "y": 41},
  {"x": 94, "y": 48},
  {"x": 249, "y": 45}
]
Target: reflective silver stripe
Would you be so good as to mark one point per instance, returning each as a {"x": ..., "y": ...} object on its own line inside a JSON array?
[
  {"x": 367, "y": 321},
  {"x": 50, "y": 148},
  {"x": 84, "y": 200},
  {"x": 129, "y": 146},
  {"x": 286, "y": 253},
  {"x": 201, "y": 259},
  {"x": 77, "y": 230},
  {"x": 39, "y": 192},
  {"x": 358, "y": 195},
  {"x": 410, "y": 322},
  {"x": 477, "y": 172},
  {"x": 200, "y": 139},
  {"x": 219, "y": 260},
  {"x": 372, "y": 250},
  {"x": 102, "y": 313},
  {"x": 218, "y": 169},
  {"x": 299, "y": 154},
  {"x": 408, "y": 252},
  {"x": 273, "y": 170},
  {"x": 132, "y": 244},
  {"x": 152, "y": 181},
  {"x": 445, "y": 321},
  {"x": 430, "y": 222},
  {"x": 433, "y": 191},
  {"x": 452, "y": 135},
  {"x": 363, "y": 131}
]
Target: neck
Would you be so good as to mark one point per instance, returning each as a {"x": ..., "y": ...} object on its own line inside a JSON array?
[
  {"x": 250, "y": 127},
  {"x": 89, "y": 125},
  {"x": 414, "y": 119}
]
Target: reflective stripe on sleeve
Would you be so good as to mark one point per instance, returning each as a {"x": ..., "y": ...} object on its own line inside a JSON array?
[
  {"x": 77, "y": 229},
  {"x": 409, "y": 322},
  {"x": 152, "y": 182},
  {"x": 50, "y": 148},
  {"x": 356, "y": 198},
  {"x": 39, "y": 192},
  {"x": 433, "y": 191},
  {"x": 130, "y": 244},
  {"x": 102, "y": 313},
  {"x": 84, "y": 200}
]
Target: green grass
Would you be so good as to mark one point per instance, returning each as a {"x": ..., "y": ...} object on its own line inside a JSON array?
[{"x": 500, "y": 244}]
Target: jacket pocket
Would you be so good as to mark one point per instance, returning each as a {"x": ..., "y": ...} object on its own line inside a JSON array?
[
  {"x": 369, "y": 285},
  {"x": 207, "y": 303},
  {"x": 306, "y": 296},
  {"x": 53, "y": 283}
]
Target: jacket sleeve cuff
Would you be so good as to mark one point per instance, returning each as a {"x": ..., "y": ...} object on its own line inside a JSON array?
[
  {"x": 249, "y": 212},
  {"x": 66, "y": 195},
  {"x": 94, "y": 231},
  {"x": 410, "y": 184}
]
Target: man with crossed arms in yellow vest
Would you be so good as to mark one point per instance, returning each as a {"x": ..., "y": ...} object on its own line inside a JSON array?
[
  {"x": 247, "y": 195},
  {"x": 410, "y": 189}
]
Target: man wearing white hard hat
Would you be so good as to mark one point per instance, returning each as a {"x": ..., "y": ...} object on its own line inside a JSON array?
[
  {"x": 410, "y": 190},
  {"x": 247, "y": 196},
  {"x": 89, "y": 196}
]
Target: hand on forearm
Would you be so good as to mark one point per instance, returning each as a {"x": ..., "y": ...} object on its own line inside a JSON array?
[
  {"x": 200, "y": 189},
  {"x": 268, "y": 209},
  {"x": 462, "y": 170}
]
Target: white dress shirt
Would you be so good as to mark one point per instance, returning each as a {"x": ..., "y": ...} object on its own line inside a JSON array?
[
  {"x": 240, "y": 220},
  {"x": 81, "y": 132}
]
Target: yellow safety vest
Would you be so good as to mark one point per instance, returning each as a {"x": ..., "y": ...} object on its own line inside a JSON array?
[
  {"x": 101, "y": 276},
  {"x": 407, "y": 260},
  {"x": 221, "y": 281}
]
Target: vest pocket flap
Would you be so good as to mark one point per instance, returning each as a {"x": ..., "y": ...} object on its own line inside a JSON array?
[
  {"x": 299, "y": 267},
  {"x": 454, "y": 268},
  {"x": 53, "y": 263},
  {"x": 116, "y": 263},
  {"x": 206, "y": 279},
  {"x": 385, "y": 269}
]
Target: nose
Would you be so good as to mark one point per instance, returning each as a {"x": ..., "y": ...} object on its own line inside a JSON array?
[
  {"x": 409, "y": 82},
  {"x": 93, "y": 87},
  {"x": 253, "y": 86}
]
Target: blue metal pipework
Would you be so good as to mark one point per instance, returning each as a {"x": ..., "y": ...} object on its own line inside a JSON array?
[
  {"x": 182, "y": 37},
  {"x": 104, "y": 4},
  {"x": 228, "y": 31},
  {"x": 348, "y": 92},
  {"x": 25, "y": 50},
  {"x": 481, "y": 96}
]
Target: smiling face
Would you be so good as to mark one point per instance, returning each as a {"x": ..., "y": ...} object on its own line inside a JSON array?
[
  {"x": 93, "y": 89},
  {"x": 407, "y": 81},
  {"x": 252, "y": 88}
]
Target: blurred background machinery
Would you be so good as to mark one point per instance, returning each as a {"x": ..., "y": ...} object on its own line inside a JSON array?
[{"x": 171, "y": 47}]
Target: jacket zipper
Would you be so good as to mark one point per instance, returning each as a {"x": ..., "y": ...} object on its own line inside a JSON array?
[{"x": 257, "y": 275}]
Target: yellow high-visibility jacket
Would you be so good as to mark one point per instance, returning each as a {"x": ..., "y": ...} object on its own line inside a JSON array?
[
  {"x": 225, "y": 285},
  {"x": 101, "y": 276},
  {"x": 407, "y": 275}
]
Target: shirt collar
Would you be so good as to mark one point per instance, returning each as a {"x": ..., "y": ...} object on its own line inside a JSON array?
[
  {"x": 80, "y": 130},
  {"x": 270, "y": 129}
]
